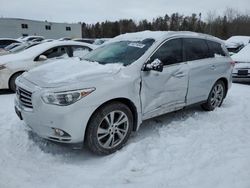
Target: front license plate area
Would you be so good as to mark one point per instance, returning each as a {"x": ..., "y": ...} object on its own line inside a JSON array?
[{"x": 243, "y": 72}]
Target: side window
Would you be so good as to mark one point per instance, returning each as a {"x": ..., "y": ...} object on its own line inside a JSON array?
[
  {"x": 195, "y": 49},
  {"x": 55, "y": 52},
  {"x": 170, "y": 52},
  {"x": 80, "y": 51},
  {"x": 215, "y": 49}
]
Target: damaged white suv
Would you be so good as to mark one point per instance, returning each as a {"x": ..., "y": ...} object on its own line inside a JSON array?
[{"x": 101, "y": 99}]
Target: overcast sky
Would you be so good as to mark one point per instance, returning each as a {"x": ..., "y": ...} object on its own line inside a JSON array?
[{"x": 91, "y": 11}]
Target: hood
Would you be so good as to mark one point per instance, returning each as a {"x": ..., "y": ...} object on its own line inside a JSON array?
[
  {"x": 243, "y": 55},
  {"x": 69, "y": 71}
]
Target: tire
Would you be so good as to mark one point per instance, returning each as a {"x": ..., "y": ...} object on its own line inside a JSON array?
[
  {"x": 104, "y": 135},
  {"x": 12, "y": 84},
  {"x": 216, "y": 96}
]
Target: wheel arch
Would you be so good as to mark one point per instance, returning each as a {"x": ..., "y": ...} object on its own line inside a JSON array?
[
  {"x": 13, "y": 74},
  {"x": 125, "y": 101},
  {"x": 225, "y": 81}
]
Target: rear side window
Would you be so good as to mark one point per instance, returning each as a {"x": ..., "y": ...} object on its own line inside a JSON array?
[
  {"x": 195, "y": 49},
  {"x": 170, "y": 52},
  {"x": 80, "y": 51},
  {"x": 215, "y": 49},
  {"x": 56, "y": 52}
]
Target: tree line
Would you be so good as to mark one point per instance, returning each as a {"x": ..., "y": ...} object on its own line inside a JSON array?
[{"x": 223, "y": 26}]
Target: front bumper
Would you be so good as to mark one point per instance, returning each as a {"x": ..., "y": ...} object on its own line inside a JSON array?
[
  {"x": 241, "y": 78},
  {"x": 47, "y": 120}
]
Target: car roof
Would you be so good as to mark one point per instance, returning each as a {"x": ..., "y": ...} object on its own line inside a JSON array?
[
  {"x": 47, "y": 45},
  {"x": 161, "y": 35},
  {"x": 10, "y": 39}
]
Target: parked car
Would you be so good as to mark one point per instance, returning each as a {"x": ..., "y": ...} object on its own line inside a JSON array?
[
  {"x": 7, "y": 41},
  {"x": 100, "y": 41},
  {"x": 101, "y": 99},
  {"x": 64, "y": 38},
  {"x": 17, "y": 47},
  {"x": 235, "y": 43},
  {"x": 32, "y": 38},
  {"x": 241, "y": 72},
  {"x": 92, "y": 40},
  {"x": 13, "y": 65},
  {"x": 23, "y": 46},
  {"x": 85, "y": 40}
]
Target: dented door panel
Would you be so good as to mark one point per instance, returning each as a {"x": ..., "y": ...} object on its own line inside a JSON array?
[{"x": 165, "y": 91}]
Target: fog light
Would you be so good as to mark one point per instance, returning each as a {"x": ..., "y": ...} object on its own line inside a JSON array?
[{"x": 58, "y": 132}]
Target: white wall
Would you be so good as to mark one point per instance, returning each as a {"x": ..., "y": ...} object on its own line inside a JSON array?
[{"x": 12, "y": 28}]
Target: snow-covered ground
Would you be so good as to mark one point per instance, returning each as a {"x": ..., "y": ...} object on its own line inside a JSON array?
[{"x": 189, "y": 148}]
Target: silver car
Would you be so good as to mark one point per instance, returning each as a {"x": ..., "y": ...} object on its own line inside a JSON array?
[
  {"x": 101, "y": 99},
  {"x": 241, "y": 72}
]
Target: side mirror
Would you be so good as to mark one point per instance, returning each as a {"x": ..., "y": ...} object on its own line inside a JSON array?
[
  {"x": 42, "y": 58},
  {"x": 155, "y": 65}
]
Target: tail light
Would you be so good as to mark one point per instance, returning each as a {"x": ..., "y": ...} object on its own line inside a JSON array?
[{"x": 233, "y": 63}]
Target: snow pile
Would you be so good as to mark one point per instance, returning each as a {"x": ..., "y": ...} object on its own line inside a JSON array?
[
  {"x": 69, "y": 71},
  {"x": 189, "y": 149}
]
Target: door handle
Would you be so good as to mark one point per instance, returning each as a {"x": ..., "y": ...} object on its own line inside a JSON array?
[
  {"x": 213, "y": 67},
  {"x": 179, "y": 75}
]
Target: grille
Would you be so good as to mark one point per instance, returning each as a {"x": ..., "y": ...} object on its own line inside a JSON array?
[{"x": 25, "y": 97}]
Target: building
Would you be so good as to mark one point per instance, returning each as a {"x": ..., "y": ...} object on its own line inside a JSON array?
[{"x": 15, "y": 28}]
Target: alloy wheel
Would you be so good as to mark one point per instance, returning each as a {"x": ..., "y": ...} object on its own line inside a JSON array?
[{"x": 112, "y": 129}]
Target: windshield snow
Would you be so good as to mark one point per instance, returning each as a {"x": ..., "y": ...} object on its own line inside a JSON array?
[{"x": 125, "y": 52}]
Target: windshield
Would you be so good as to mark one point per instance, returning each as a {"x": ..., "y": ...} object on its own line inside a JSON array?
[
  {"x": 18, "y": 48},
  {"x": 125, "y": 52}
]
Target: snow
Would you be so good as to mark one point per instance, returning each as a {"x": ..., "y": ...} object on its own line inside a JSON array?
[
  {"x": 65, "y": 71},
  {"x": 189, "y": 148},
  {"x": 158, "y": 36},
  {"x": 139, "y": 36},
  {"x": 235, "y": 41},
  {"x": 243, "y": 55}
]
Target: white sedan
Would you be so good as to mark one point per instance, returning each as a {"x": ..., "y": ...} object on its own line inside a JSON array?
[
  {"x": 241, "y": 72},
  {"x": 13, "y": 65}
]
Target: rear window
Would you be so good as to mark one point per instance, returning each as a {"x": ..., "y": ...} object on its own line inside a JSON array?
[
  {"x": 195, "y": 49},
  {"x": 215, "y": 49}
]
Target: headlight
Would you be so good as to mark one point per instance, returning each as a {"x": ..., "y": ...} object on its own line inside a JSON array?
[
  {"x": 67, "y": 97},
  {"x": 2, "y": 67}
]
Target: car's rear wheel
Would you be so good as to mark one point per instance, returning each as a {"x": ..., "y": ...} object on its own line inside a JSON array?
[
  {"x": 216, "y": 96},
  {"x": 12, "y": 84},
  {"x": 109, "y": 128}
]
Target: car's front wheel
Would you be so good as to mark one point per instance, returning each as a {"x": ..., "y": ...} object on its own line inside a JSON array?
[
  {"x": 109, "y": 128},
  {"x": 216, "y": 96}
]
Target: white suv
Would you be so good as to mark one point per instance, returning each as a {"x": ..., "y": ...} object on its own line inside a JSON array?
[{"x": 133, "y": 77}]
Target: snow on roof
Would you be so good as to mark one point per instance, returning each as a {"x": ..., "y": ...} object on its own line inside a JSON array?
[
  {"x": 243, "y": 55},
  {"x": 139, "y": 36},
  {"x": 10, "y": 39},
  {"x": 235, "y": 41},
  {"x": 159, "y": 35}
]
